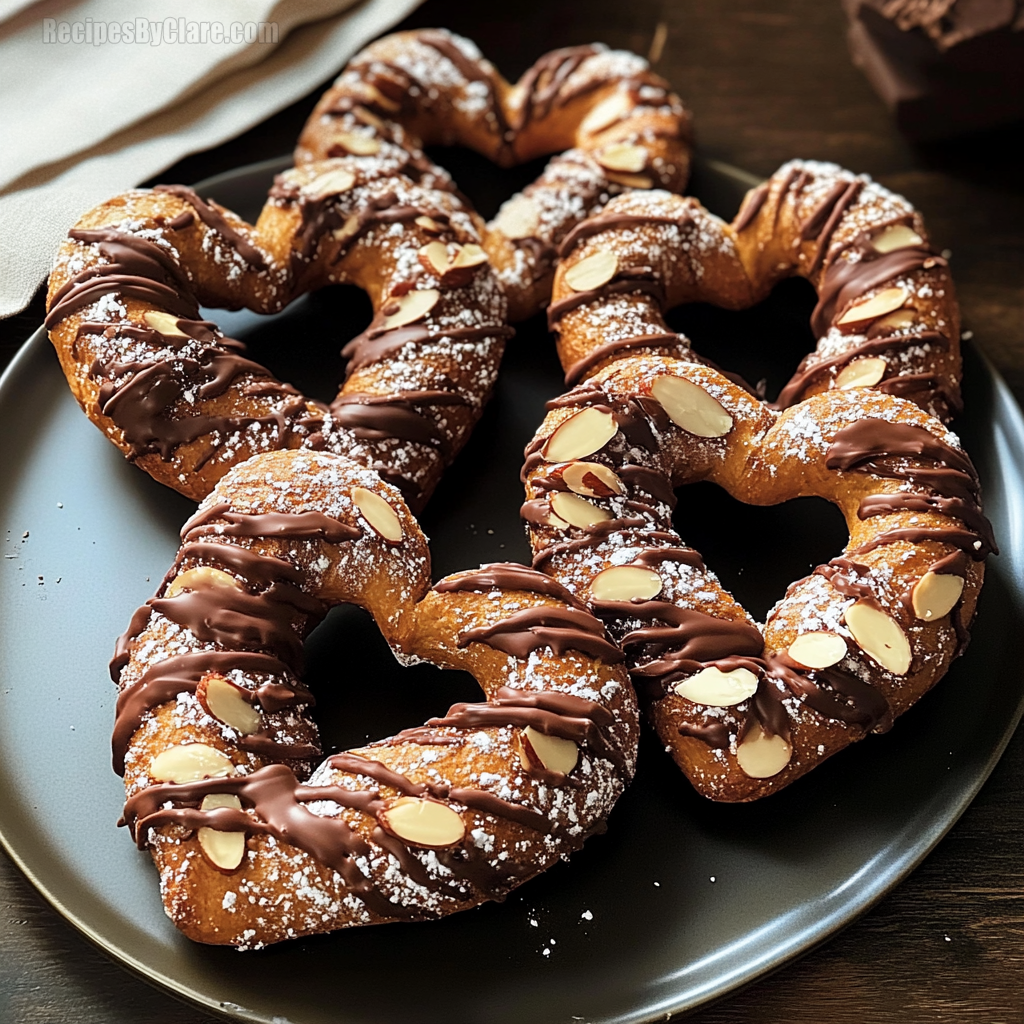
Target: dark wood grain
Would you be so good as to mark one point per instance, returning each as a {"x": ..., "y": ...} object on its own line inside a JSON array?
[{"x": 766, "y": 82}]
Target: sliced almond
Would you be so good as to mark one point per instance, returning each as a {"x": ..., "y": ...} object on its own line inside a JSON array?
[
  {"x": 818, "y": 649},
  {"x": 592, "y": 480},
  {"x": 330, "y": 183},
  {"x": 228, "y": 703},
  {"x": 718, "y": 689},
  {"x": 607, "y": 112},
  {"x": 427, "y": 223},
  {"x": 626, "y": 583},
  {"x": 689, "y": 406},
  {"x": 378, "y": 513},
  {"x": 879, "y": 635},
  {"x": 357, "y": 143},
  {"x": 577, "y": 511},
  {"x": 202, "y": 577},
  {"x": 412, "y": 306},
  {"x": 224, "y": 850},
  {"x": 519, "y": 217},
  {"x": 347, "y": 230},
  {"x": 434, "y": 257},
  {"x": 761, "y": 756},
  {"x": 379, "y": 99},
  {"x": 580, "y": 435},
  {"x": 592, "y": 271},
  {"x": 164, "y": 323},
  {"x": 423, "y": 822},
  {"x": 897, "y": 236},
  {"x": 630, "y": 180},
  {"x": 896, "y": 321},
  {"x": 190, "y": 762},
  {"x": 469, "y": 255},
  {"x": 368, "y": 117},
  {"x": 935, "y": 594},
  {"x": 862, "y": 373},
  {"x": 623, "y": 156},
  {"x": 553, "y": 753},
  {"x": 453, "y": 272},
  {"x": 885, "y": 301}
]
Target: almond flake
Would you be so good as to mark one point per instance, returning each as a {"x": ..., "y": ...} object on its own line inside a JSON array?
[
  {"x": 862, "y": 373},
  {"x": 625, "y": 583},
  {"x": 935, "y": 595},
  {"x": 689, "y": 406},
  {"x": 622, "y": 156},
  {"x": 357, "y": 143},
  {"x": 378, "y": 513},
  {"x": 577, "y": 511},
  {"x": 715, "y": 688},
  {"x": 164, "y": 323},
  {"x": 422, "y": 822},
  {"x": 592, "y": 271},
  {"x": 330, "y": 183},
  {"x": 580, "y": 435},
  {"x": 592, "y": 480},
  {"x": 224, "y": 850},
  {"x": 190, "y": 762},
  {"x": 519, "y": 217},
  {"x": 761, "y": 756},
  {"x": 883, "y": 302},
  {"x": 553, "y": 753},
  {"x": 817, "y": 649},
  {"x": 606, "y": 113},
  {"x": 897, "y": 236},
  {"x": 412, "y": 306},
  {"x": 202, "y": 577},
  {"x": 879, "y": 635}
]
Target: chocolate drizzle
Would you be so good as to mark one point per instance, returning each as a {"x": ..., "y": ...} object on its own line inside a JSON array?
[
  {"x": 845, "y": 280},
  {"x": 543, "y": 81},
  {"x": 531, "y": 629},
  {"x": 681, "y": 641},
  {"x": 136, "y": 269},
  {"x": 612, "y": 221},
  {"x": 576, "y": 371},
  {"x": 642, "y": 280},
  {"x": 378, "y": 342},
  {"x": 507, "y": 576},
  {"x": 551, "y": 713},
  {"x": 212, "y": 217}
]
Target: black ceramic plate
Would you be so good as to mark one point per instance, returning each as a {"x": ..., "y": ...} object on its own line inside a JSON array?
[{"x": 680, "y": 901}]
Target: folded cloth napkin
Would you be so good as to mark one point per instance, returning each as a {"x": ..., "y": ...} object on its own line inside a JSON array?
[{"x": 99, "y": 96}]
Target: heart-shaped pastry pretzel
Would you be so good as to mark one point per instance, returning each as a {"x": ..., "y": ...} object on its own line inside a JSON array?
[
  {"x": 743, "y": 710},
  {"x": 436, "y": 819},
  {"x": 177, "y": 396},
  {"x": 626, "y": 129}
]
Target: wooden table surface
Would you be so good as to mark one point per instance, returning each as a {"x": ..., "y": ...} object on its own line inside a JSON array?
[{"x": 766, "y": 81}]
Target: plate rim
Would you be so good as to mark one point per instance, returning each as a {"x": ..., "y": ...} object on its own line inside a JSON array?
[{"x": 1005, "y": 411}]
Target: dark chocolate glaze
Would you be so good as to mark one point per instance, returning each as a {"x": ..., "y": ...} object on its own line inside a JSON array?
[
  {"x": 752, "y": 204},
  {"x": 507, "y": 576},
  {"x": 681, "y": 642},
  {"x": 543, "y": 81},
  {"x": 372, "y": 417},
  {"x": 655, "y": 556},
  {"x": 966, "y": 511},
  {"x": 553, "y": 714},
  {"x": 811, "y": 368},
  {"x": 610, "y": 222},
  {"x": 378, "y": 342},
  {"x": 714, "y": 734},
  {"x": 472, "y": 71},
  {"x": 561, "y": 629},
  {"x": 297, "y": 525},
  {"x": 839, "y": 572},
  {"x": 845, "y": 281},
  {"x": 136, "y": 269},
  {"x": 823, "y": 222},
  {"x": 963, "y": 539},
  {"x": 576, "y": 371},
  {"x": 181, "y": 674},
  {"x": 213, "y": 218}
]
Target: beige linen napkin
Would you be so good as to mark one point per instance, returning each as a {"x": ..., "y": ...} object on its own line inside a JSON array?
[{"x": 82, "y": 121}]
